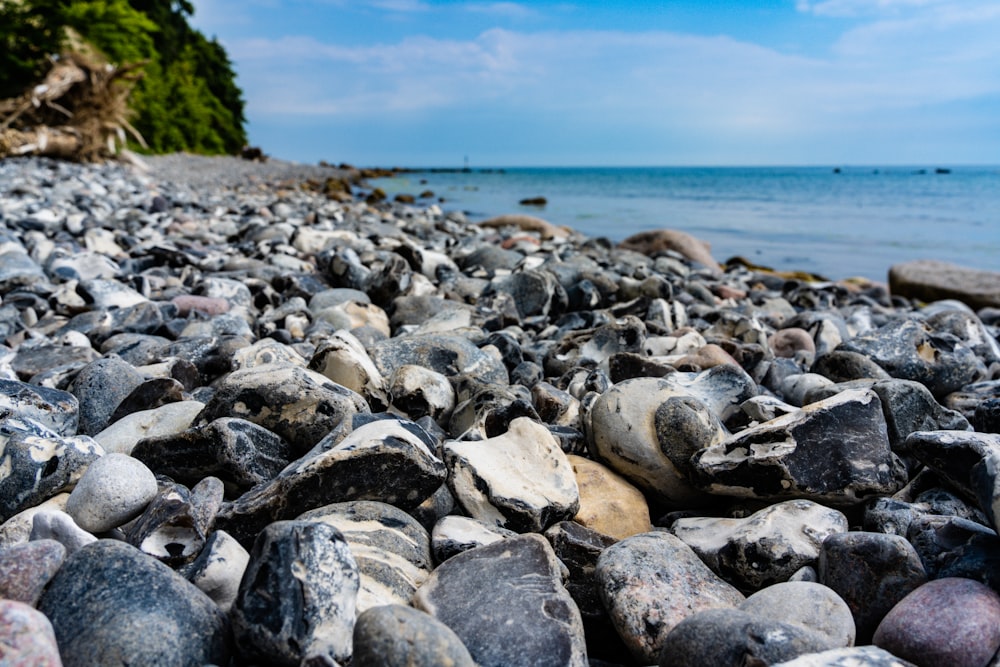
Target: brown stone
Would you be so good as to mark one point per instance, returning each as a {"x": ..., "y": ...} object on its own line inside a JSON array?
[
  {"x": 661, "y": 240},
  {"x": 608, "y": 503},
  {"x": 930, "y": 280},
  {"x": 526, "y": 223}
]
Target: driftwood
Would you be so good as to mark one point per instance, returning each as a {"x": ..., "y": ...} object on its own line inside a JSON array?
[{"x": 79, "y": 112}]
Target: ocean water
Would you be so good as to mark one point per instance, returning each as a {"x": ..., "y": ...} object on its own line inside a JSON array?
[{"x": 855, "y": 221}]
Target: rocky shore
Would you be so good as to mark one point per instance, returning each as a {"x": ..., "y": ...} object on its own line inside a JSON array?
[{"x": 249, "y": 418}]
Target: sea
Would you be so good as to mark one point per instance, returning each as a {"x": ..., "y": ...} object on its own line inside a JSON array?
[{"x": 837, "y": 222}]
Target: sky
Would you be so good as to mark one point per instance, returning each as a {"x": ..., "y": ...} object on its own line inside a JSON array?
[{"x": 431, "y": 83}]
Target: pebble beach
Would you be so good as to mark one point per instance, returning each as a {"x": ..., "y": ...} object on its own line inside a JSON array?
[{"x": 251, "y": 415}]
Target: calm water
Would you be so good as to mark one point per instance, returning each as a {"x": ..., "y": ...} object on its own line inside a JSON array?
[{"x": 854, "y": 223}]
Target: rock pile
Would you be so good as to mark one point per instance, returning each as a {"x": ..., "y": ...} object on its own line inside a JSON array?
[{"x": 242, "y": 423}]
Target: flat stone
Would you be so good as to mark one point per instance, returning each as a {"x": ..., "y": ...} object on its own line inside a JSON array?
[
  {"x": 442, "y": 353},
  {"x": 54, "y": 409},
  {"x": 868, "y": 656},
  {"x": 608, "y": 503},
  {"x": 453, "y": 534},
  {"x": 519, "y": 480},
  {"x": 419, "y": 392},
  {"x": 110, "y": 605},
  {"x": 833, "y": 451},
  {"x": 808, "y": 604},
  {"x": 112, "y": 491},
  {"x": 170, "y": 419},
  {"x": 386, "y": 460},
  {"x": 342, "y": 358},
  {"x": 299, "y": 405},
  {"x": 506, "y": 602},
  {"x": 948, "y": 622},
  {"x": 930, "y": 280},
  {"x": 661, "y": 240},
  {"x": 219, "y": 569},
  {"x": 871, "y": 572},
  {"x": 954, "y": 455},
  {"x": 733, "y": 637},
  {"x": 764, "y": 548},
  {"x": 401, "y": 636},
  {"x": 297, "y": 599},
  {"x": 392, "y": 550},
  {"x": 651, "y": 582},
  {"x": 26, "y": 569},
  {"x": 26, "y": 636}
]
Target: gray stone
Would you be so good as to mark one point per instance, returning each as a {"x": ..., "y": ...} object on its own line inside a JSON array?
[
  {"x": 169, "y": 419},
  {"x": 175, "y": 526},
  {"x": 26, "y": 569},
  {"x": 842, "y": 365},
  {"x": 955, "y": 455},
  {"x": 56, "y": 525},
  {"x": 297, "y": 598},
  {"x": 392, "y": 550},
  {"x": 100, "y": 386},
  {"x": 26, "y": 635},
  {"x": 239, "y": 452},
  {"x": 732, "y": 638},
  {"x": 487, "y": 410},
  {"x": 506, "y": 602},
  {"x": 765, "y": 548},
  {"x": 112, "y": 491},
  {"x": 447, "y": 354},
  {"x": 833, "y": 451},
  {"x": 519, "y": 480},
  {"x": 858, "y": 656},
  {"x": 218, "y": 569},
  {"x": 950, "y": 546},
  {"x": 18, "y": 269},
  {"x": 39, "y": 463},
  {"x": 871, "y": 572},
  {"x": 948, "y": 622},
  {"x": 342, "y": 358},
  {"x": 56, "y": 410},
  {"x": 808, "y": 604},
  {"x": 930, "y": 280},
  {"x": 651, "y": 582},
  {"x": 386, "y": 460},
  {"x": 910, "y": 350},
  {"x": 299, "y": 405},
  {"x": 453, "y": 534},
  {"x": 909, "y": 406},
  {"x": 17, "y": 529},
  {"x": 418, "y": 391},
  {"x": 112, "y": 605},
  {"x": 401, "y": 636}
]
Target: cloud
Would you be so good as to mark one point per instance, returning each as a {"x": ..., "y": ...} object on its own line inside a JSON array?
[{"x": 512, "y": 10}]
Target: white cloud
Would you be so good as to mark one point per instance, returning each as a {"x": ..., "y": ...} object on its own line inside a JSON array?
[{"x": 513, "y": 10}]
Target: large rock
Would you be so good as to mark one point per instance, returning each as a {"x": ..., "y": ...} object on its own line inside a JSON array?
[
  {"x": 506, "y": 602},
  {"x": 111, "y": 605},
  {"x": 519, "y": 480},
  {"x": 651, "y": 582},
  {"x": 26, "y": 637},
  {"x": 608, "y": 503},
  {"x": 59, "y": 411},
  {"x": 169, "y": 419},
  {"x": 832, "y": 451},
  {"x": 26, "y": 569},
  {"x": 100, "y": 386},
  {"x": 806, "y": 603},
  {"x": 401, "y": 636},
  {"x": 765, "y": 548},
  {"x": 443, "y": 353},
  {"x": 661, "y": 240},
  {"x": 112, "y": 491},
  {"x": 297, "y": 598},
  {"x": 930, "y": 280}
]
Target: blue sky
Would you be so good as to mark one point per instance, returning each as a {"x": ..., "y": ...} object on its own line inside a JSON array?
[{"x": 583, "y": 83}]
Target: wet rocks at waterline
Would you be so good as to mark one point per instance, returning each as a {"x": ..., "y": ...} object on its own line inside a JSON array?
[{"x": 243, "y": 424}]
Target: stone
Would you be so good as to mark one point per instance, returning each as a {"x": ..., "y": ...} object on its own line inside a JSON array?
[
  {"x": 950, "y": 622},
  {"x": 218, "y": 569},
  {"x": 18, "y": 528},
  {"x": 54, "y": 409},
  {"x": 239, "y": 452},
  {"x": 793, "y": 342},
  {"x": 26, "y": 635},
  {"x": 297, "y": 598},
  {"x": 519, "y": 480},
  {"x": 608, "y": 503},
  {"x": 486, "y": 411},
  {"x": 452, "y": 535},
  {"x": 871, "y": 572},
  {"x": 26, "y": 569},
  {"x": 507, "y": 604},
  {"x": 808, "y": 604},
  {"x": 909, "y": 406},
  {"x": 715, "y": 637},
  {"x": 447, "y": 354},
  {"x": 417, "y": 392},
  {"x": 388, "y": 461},
  {"x": 832, "y": 451},
  {"x": 112, "y": 491},
  {"x": 175, "y": 526},
  {"x": 764, "y": 548},
  {"x": 842, "y": 365},
  {"x": 910, "y": 350},
  {"x": 299, "y": 405},
  {"x": 950, "y": 546},
  {"x": 658, "y": 241},
  {"x": 39, "y": 463},
  {"x": 797, "y": 387},
  {"x": 647, "y": 430},
  {"x": 651, "y": 582},
  {"x": 99, "y": 387},
  {"x": 111, "y": 605},
  {"x": 858, "y": 656},
  {"x": 401, "y": 636},
  {"x": 122, "y": 435},
  {"x": 392, "y": 550},
  {"x": 954, "y": 455},
  {"x": 56, "y": 525},
  {"x": 342, "y": 358},
  {"x": 931, "y": 280}
]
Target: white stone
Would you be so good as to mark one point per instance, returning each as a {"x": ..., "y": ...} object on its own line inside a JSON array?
[
  {"x": 59, "y": 526},
  {"x": 343, "y": 359},
  {"x": 219, "y": 571},
  {"x": 122, "y": 436},
  {"x": 17, "y": 529},
  {"x": 115, "y": 489}
]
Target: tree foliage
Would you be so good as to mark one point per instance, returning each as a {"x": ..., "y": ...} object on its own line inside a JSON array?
[{"x": 188, "y": 98}]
